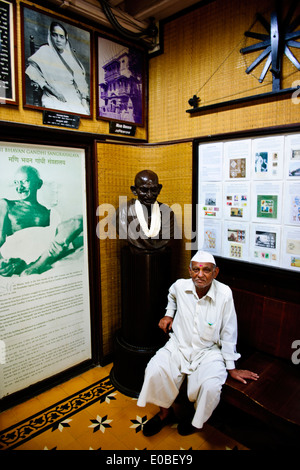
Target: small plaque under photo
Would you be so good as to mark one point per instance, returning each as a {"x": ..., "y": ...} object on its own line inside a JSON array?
[
  {"x": 61, "y": 119},
  {"x": 121, "y": 128}
]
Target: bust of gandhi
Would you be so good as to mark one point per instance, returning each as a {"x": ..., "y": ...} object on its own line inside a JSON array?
[{"x": 147, "y": 224}]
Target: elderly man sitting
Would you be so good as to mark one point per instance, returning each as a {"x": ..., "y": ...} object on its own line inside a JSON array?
[{"x": 201, "y": 319}]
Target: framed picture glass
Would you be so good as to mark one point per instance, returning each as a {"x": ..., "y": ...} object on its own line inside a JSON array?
[
  {"x": 120, "y": 82},
  {"x": 56, "y": 64},
  {"x": 246, "y": 206},
  {"x": 8, "y": 64}
]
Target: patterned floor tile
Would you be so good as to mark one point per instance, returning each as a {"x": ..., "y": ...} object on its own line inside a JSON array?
[{"x": 88, "y": 413}]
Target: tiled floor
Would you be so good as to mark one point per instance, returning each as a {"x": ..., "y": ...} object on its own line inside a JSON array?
[{"x": 88, "y": 413}]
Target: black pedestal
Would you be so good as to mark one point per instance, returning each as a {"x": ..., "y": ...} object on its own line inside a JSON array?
[{"x": 145, "y": 279}]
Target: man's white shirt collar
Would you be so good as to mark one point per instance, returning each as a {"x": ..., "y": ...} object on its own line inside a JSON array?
[{"x": 211, "y": 293}]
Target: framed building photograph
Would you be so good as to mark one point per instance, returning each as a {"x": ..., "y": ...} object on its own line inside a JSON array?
[
  {"x": 56, "y": 64},
  {"x": 8, "y": 60},
  {"x": 120, "y": 82}
]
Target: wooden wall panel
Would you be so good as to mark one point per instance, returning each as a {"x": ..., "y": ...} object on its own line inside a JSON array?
[{"x": 267, "y": 324}]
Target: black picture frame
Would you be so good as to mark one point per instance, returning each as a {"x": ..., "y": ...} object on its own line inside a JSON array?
[
  {"x": 8, "y": 60},
  {"x": 52, "y": 80}
]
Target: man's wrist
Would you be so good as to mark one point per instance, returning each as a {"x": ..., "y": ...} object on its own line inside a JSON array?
[{"x": 230, "y": 365}]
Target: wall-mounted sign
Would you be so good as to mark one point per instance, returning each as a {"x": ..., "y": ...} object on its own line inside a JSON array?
[
  {"x": 121, "y": 128},
  {"x": 44, "y": 269},
  {"x": 61, "y": 119}
]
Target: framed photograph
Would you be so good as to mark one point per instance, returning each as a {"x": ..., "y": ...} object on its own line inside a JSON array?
[
  {"x": 56, "y": 64},
  {"x": 44, "y": 263},
  {"x": 121, "y": 82},
  {"x": 8, "y": 60}
]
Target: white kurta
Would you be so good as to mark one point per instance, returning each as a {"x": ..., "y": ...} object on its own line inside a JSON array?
[{"x": 201, "y": 346}]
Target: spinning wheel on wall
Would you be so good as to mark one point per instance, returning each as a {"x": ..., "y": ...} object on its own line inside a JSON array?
[{"x": 280, "y": 37}]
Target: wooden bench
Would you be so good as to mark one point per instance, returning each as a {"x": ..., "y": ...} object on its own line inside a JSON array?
[{"x": 267, "y": 330}]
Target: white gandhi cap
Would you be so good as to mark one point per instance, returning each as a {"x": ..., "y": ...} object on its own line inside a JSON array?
[{"x": 203, "y": 257}]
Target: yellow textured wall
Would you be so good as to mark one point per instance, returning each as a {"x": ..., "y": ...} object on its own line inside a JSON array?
[
  {"x": 117, "y": 167},
  {"x": 202, "y": 56},
  {"x": 35, "y": 117}
]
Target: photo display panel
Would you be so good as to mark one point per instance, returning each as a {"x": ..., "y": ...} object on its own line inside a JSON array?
[
  {"x": 248, "y": 201},
  {"x": 44, "y": 277}
]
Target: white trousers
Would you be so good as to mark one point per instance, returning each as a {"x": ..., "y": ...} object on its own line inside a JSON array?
[{"x": 163, "y": 378}]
